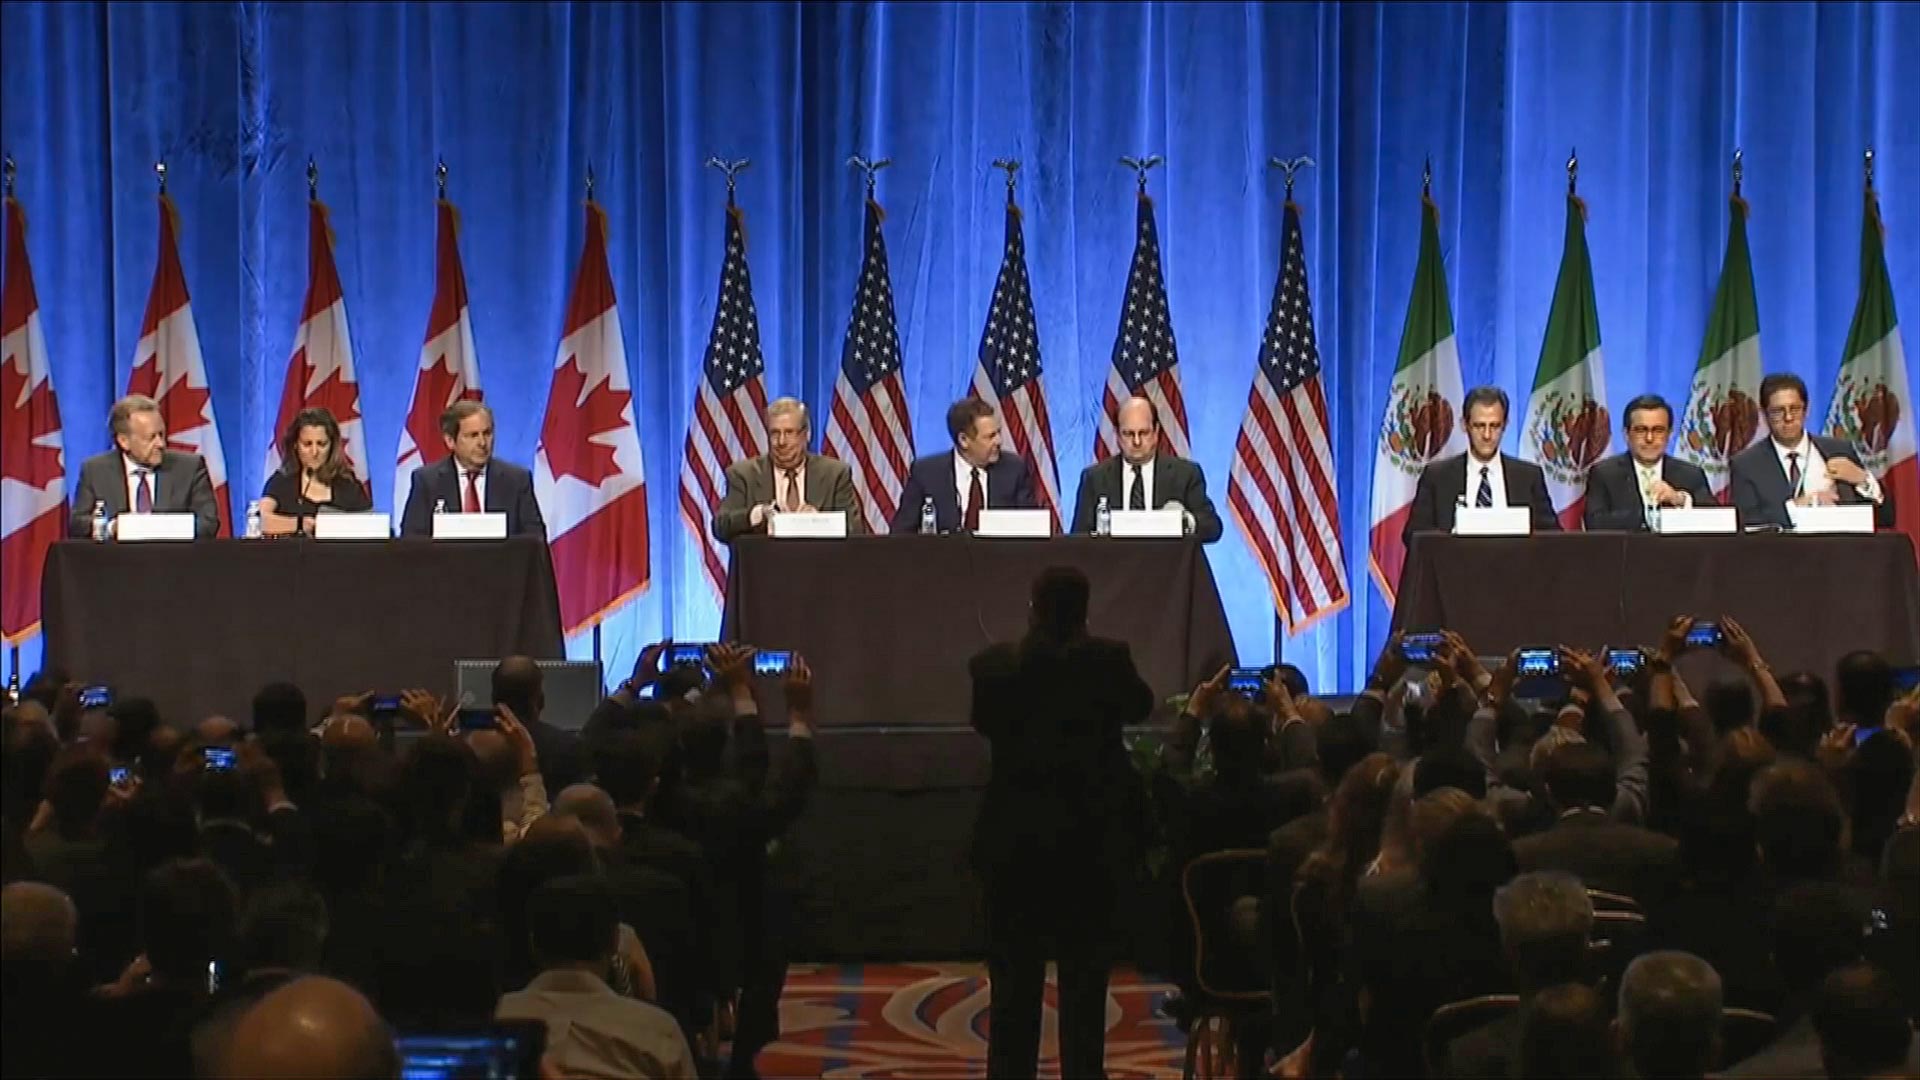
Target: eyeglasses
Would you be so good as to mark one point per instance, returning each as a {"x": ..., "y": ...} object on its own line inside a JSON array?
[
  {"x": 1642, "y": 432},
  {"x": 1786, "y": 412}
]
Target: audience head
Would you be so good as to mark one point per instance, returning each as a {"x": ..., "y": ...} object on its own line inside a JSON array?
[
  {"x": 1863, "y": 685},
  {"x": 788, "y": 432},
  {"x": 467, "y": 429},
  {"x": 627, "y": 766},
  {"x": 1340, "y": 744},
  {"x": 1580, "y": 776},
  {"x": 1238, "y": 735},
  {"x": 352, "y": 840},
  {"x": 1565, "y": 1035},
  {"x": 1545, "y": 920},
  {"x": 1138, "y": 424},
  {"x": 1669, "y": 1016},
  {"x": 496, "y": 761},
  {"x": 76, "y": 785},
  {"x": 134, "y": 721},
  {"x": 1450, "y": 767},
  {"x": 38, "y": 929},
  {"x": 1356, "y": 818},
  {"x": 1484, "y": 415},
  {"x": 1783, "y": 401},
  {"x": 1465, "y": 864},
  {"x": 517, "y": 684},
  {"x": 284, "y": 927},
  {"x": 188, "y": 911},
  {"x": 1743, "y": 754},
  {"x": 1799, "y": 825},
  {"x": 1058, "y": 609},
  {"x": 975, "y": 429},
  {"x": 139, "y": 430},
  {"x": 313, "y": 1027},
  {"x": 573, "y": 922},
  {"x": 279, "y": 709},
  {"x": 1431, "y": 815},
  {"x": 1729, "y": 703},
  {"x": 312, "y": 444},
  {"x": 1862, "y": 1023},
  {"x": 439, "y": 779},
  {"x": 593, "y": 808},
  {"x": 1879, "y": 775},
  {"x": 1817, "y": 928}
]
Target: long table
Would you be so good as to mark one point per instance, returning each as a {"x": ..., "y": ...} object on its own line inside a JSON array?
[
  {"x": 888, "y": 623},
  {"x": 199, "y": 627},
  {"x": 1806, "y": 600}
]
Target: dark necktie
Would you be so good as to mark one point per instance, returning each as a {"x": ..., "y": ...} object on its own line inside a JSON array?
[
  {"x": 793, "y": 489},
  {"x": 975, "y": 496},
  {"x": 1137, "y": 498},
  {"x": 472, "y": 503},
  {"x": 1793, "y": 471},
  {"x": 1484, "y": 497},
  {"x": 143, "y": 497}
]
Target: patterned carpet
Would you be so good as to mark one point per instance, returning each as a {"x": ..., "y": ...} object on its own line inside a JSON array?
[{"x": 929, "y": 1022}]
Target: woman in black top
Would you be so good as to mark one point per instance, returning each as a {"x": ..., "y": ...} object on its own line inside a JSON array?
[{"x": 314, "y": 474}]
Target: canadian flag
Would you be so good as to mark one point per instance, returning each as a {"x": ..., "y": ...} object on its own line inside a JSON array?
[
  {"x": 167, "y": 366},
  {"x": 449, "y": 366},
  {"x": 587, "y": 470},
  {"x": 33, "y": 471},
  {"x": 320, "y": 371}
]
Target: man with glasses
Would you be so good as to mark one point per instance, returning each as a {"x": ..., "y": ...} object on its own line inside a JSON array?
[
  {"x": 1624, "y": 490},
  {"x": 785, "y": 478},
  {"x": 1796, "y": 466},
  {"x": 1481, "y": 477},
  {"x": 1143, "y": 478}
]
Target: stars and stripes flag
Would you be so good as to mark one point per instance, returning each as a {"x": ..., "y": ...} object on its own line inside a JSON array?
[
  {"x": 729, "y": 409},
  {"x": 168, "y": 367},
  {"x": 449, "y": 365},
  {"x": 320, "y": 372},
  {"x": 1280, "y": 489},
  {"x": 588, "y": 473},
  {"x": 869, "y": 429},
  {"x": 1146, "y": 362},
  {"x": 33, "y": 463},
  {"x": 1008, "y": 377}
]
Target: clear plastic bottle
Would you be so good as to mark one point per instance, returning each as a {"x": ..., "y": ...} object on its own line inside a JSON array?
[
  {"x": 100, "y": 522},
  {"x": 253, "y": 520},
  {"x": 929, "y": 521},
  {"x": 1103, "y": 518}
]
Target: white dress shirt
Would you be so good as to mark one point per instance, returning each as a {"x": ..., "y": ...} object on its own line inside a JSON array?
[
  {"x": 1126, "y": 484},
  {"x": 479, "y": 483},
  {"x": 1813, "y": 471},
  {"x": 1648, "y": 476},
  {"x": 1496, "y": 477},
  {"x": 133, "y": 483},
  {"x": 593, "y": 1030},
  {"x": 963, "y": 479}
]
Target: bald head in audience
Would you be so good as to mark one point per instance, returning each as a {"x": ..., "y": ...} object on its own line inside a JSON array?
[
  {"x": 1669, "y": 1018},
  {"x": 313, "y": 1027},
  {"x": 350, "y": 733},
  {"x": 593, "y": 808},
  {"x": 37, "y": 927},
  {"x": 217, "y": 730}
]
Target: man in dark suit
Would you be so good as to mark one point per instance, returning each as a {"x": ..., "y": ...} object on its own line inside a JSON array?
[
  {"x": 1483, "y": 476},
  {"x": 1142, "y": 478},
  {"x": 468, "y": 480},
  {"x": 1796, "y": 466},
  {"x": 786, "y": 477},
  {"x": 1052, "y": 843},
  {"x": 1588, "y": 841},
  {"x": 1622, "y": 488},
  {"x": 141, "y": 475},
  {"x": 971, "y": 477}
]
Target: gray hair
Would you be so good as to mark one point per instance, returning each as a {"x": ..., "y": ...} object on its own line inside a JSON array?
[
  {"x": 785, "y": 406},
  {"x": 1541, "y": 907},
  {"x": 120, "y": 420},
  {"x": 1552, "y": 739}
]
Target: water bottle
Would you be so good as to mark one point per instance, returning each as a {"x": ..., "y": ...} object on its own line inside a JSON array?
[
  {"x": 439, "y": 506},
  {"x": 253, "y": 520},
  {"x": 99, "y": 522},
  {"x": 1103, "y": 518},
  {"x": 929, "y": 523}
]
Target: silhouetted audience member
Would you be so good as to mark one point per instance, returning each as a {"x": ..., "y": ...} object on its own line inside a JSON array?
[
  {"x": 1863, "y": 1030},
  {"x": 312, "y": 1027},
  {"x": 42, "y": 993},
  {"x": 188, "y": 911},
  {"x": 1545, "y": 920},
  {"x": 1565, "y": 1034},
  {"x": 1668, "y": 1021}
]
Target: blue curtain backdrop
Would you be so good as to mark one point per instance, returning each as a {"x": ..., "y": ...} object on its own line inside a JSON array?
[{"x": 519, "y": 98}]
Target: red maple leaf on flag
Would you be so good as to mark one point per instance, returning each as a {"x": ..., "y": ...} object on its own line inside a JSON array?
[
  {"x": 27, "y": 461},
  {"x": 182, "y": 409},
  {"x": 568, "y": 439},
  {"x": 430, "y": 393}
]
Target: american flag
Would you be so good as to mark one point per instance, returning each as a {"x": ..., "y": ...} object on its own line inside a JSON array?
[
  {"x": 729, "y": 412},
  {"x": 1009, "y": 373},
  {"x": 1280, "y": 489},
  {"x": 1145, "y": 359},
  {"x": 870, "y": 430}
]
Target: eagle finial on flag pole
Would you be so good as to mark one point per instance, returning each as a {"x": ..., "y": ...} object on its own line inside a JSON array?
[
  {"x": 871, "y": 168},
  {"x": 1288, "y": 168},
  {"x": 733, "y": 169},
  {"x": 1012, "y": 166},
  {"x": 1140, "y": 166}
]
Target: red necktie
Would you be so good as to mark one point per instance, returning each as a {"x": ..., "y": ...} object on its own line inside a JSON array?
[
  {"x": 472, "y": 503},
  {"x": 975, "y": 497}
]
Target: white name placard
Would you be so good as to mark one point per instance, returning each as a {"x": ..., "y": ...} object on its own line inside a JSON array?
[
  {"x": 1017, "y": 523},
  {"x": 1831, "y": 519},
  {"x": 1493, "y": 521},
  {"x": 1162, "y": 523},
  {"x": 1695, "y": 520},
  {"x": 138, "y": 528},
  {"x": 813, "y": 526},
  {"x": 357, "y": 526},
  {"x": 488, "y": 526}
]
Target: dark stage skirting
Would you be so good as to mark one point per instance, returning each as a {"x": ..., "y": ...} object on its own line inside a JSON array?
[
  {"x": 199, "y": 627},
  {"x": 1806, "y": 600},
  {"x": 888, "y": 623}
]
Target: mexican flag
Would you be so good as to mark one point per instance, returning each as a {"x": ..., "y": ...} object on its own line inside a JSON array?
[
  {"x": 1567, "y": 429},
  {"x": 1420, "y": 424},
  {"x": 1722, "y": 416},
  {"x": 1872, "y": 399}
]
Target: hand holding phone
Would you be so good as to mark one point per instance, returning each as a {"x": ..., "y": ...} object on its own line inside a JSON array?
[
  {"x": 1705, "y": 635},
  {"x": 1538, "y": 662},
  {"x": 1248, "y": 682},
  {"x": 1421, "y": 648},
  {"x": 96, "y": 697},
  {"x": 218, "y": 758},
  {"x": 1625, "y": 663},
  {"x": 773, "y": 662}
]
